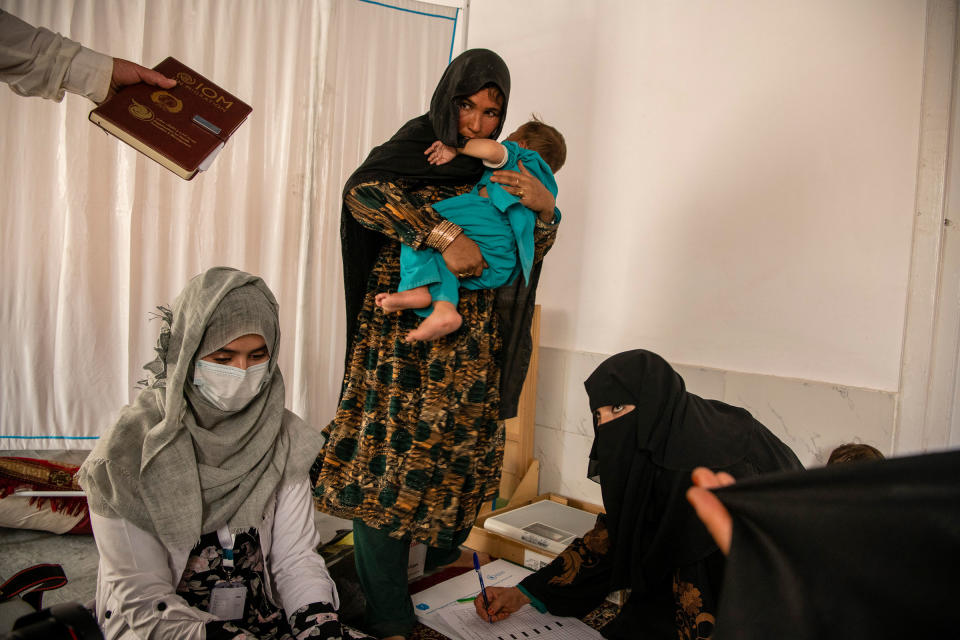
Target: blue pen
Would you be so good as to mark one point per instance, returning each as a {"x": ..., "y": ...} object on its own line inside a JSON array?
[{"x": 483, "y": 589}]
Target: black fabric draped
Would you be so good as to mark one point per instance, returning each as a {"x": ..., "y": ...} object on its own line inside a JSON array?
[
  {"x": 645, "y": 458},
  {"x": 862, "y": 550},
  {"x": 401, "y": 158}
]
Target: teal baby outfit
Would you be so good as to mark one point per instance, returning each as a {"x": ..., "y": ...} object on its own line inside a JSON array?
[{"x": 500, "y": 225}]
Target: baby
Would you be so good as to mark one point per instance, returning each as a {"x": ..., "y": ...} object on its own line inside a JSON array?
[
  {"x": 852, "y": 452},
  {"x": 489, "y": 215}
]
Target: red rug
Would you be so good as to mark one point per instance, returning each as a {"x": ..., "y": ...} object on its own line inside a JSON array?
[{"x": 426, "y": 582}]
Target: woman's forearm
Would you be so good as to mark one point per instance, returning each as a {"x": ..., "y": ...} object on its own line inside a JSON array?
[
  {"x": 385, "y": 208},
  {"x": 548, "y": 217},
  {"x": 544, "y": 235}
]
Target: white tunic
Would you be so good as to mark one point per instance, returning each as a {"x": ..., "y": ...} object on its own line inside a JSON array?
[{"x": 138, "y": 576}]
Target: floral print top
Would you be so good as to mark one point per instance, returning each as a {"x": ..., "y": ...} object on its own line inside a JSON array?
[
  {"x": 580, "y": 578},
  {"x": 261, "y": 618}
]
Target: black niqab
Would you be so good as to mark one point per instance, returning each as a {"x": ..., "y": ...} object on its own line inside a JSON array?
[{"x": 645, "y": 457}]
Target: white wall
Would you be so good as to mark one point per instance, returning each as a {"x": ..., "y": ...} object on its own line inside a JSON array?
[
  {"x": 741, "y": 179},
  {"x": 738, "y": 197}
]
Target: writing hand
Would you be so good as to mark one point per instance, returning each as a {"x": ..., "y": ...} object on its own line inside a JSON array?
[{"x": 503, "y": 602}]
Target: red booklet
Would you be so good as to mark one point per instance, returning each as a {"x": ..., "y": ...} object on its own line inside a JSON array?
[{"x": 182, "y": 128}]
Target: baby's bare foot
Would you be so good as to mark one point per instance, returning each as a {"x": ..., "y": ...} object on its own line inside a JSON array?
[
  {"x": 418, "y": 298},
  {"x": 442, "y": 321}
]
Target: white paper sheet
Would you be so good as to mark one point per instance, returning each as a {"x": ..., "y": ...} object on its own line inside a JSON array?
[
  {"x": 525, "y": 624},
  {"x": 428, "y": 603},
  {"x": 498, "y": 573}
]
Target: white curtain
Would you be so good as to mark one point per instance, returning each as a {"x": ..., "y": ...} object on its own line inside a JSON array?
[{"x": 95, "y": 236}]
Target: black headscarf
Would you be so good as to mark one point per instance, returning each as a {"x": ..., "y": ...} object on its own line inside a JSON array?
[
  {"x": 402, "y": 157},
  {"x": 860, "y": 550},
  {"x": 644, "y": 459}
]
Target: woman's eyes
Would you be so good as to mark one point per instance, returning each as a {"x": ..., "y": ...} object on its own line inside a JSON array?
[
  {"x": 255, "y": 357},
  {"x": 489, "y": 113},
  {"x": 609, "y": 412}
]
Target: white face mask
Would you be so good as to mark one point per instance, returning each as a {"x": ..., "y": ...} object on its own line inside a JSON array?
[{"x": 228, "y": 388}]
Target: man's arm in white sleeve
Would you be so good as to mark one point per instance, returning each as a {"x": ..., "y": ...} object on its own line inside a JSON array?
[{"x": 38, "y": 62}]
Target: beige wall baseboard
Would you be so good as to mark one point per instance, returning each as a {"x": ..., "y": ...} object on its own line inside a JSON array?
[{"x": 811, "y": 417}]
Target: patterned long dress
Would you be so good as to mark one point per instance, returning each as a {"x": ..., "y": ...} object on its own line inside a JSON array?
[{"x": 415, "y": 446}]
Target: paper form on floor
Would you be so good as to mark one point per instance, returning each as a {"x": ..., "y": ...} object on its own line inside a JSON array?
[{"x": 525, "y": 624}]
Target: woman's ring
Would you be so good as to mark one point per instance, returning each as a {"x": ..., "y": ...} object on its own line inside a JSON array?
[{"x": 520, "y": 195}]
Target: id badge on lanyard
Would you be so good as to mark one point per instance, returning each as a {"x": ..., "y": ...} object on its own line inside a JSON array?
[{"x": 228, "y": 597}]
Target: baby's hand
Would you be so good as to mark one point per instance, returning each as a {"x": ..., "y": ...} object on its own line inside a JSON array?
[{"x": 439, "y": 153}]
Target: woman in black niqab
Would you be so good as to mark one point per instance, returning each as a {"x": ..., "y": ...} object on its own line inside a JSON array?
[{"x": 649, "y": 433}]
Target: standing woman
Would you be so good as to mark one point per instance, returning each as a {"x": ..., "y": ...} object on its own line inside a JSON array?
[
  {"x": 649, "y": 434},
  {"x": 417, "y": 442},
  {"x": 200, "y": 495}
]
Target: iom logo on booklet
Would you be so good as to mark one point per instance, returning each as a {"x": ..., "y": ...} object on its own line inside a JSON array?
[
  {"x": 139, "y": 111},
  {"x": 203, "y": 90},
  {"x": 166, "y": 101}
]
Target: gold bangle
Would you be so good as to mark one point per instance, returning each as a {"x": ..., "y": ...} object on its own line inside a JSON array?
[
  {"x": 438, "y": 238},
  {"x": 442, "y": 235}
]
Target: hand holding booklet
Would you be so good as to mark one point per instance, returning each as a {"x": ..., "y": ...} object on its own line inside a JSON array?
[{"x": 182, "y": 128}]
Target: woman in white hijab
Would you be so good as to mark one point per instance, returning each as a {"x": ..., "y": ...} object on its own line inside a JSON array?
[{"x": 199, "y": 494}]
